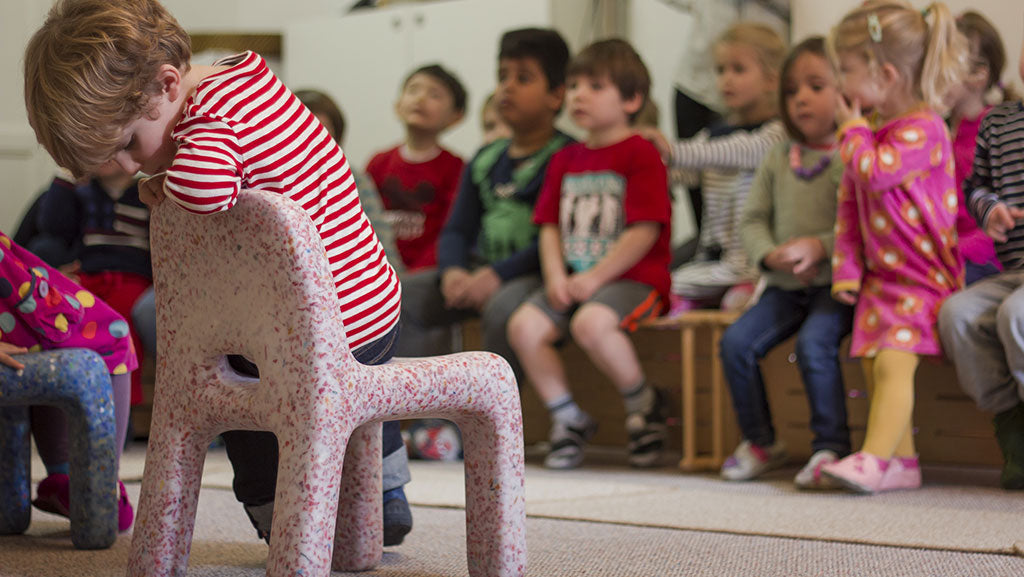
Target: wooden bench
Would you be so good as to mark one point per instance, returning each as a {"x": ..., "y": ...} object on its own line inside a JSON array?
[{"x": 681, "y": 357}]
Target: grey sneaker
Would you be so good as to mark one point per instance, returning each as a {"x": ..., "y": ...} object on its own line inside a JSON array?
[
  {"x": 262, "y": 517},
  {"x": 810, "y": 476},
  {"x": 647, "y": 432},
  {"x": 749, "y": 461},
  {"x": 567, "y": 443}
]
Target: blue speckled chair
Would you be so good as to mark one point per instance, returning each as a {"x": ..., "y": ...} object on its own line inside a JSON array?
[{"x": 77, "y": 381}]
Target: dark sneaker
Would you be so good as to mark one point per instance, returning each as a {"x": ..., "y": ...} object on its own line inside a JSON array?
[
  {"x": 1010, "y": 435},
  {"x": 397, "y": 521},
  {"x": 567, "y": 443},
  {"x": 647, "y": 433}
]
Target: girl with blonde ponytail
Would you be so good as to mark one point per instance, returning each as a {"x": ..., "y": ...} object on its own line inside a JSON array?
[{"x": 896, "y": 255}]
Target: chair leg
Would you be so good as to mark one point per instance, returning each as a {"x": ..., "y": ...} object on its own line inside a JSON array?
[
  {"x": 359, "y": 534},
  {"x": 15, "y": 477},
  {"x": 93, "y": 462},
  {"x": 306, "y": 502},
  {"x": 495, "y": 496},
  {"x": 167, "y": 506}
]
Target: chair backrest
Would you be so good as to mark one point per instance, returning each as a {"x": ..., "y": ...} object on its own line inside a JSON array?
[{"x": 253, "y": 280}]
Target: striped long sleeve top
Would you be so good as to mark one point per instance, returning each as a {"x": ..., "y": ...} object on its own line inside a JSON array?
[
  {"x": 998, "y": 175},
  {"x": 723, "y": 162},
  {"x": 243, "y": 129}
]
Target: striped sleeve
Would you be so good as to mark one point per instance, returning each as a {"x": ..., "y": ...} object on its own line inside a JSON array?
[
  {"x": 206, "y": 174},
  {"x": 740, "y": 150}
]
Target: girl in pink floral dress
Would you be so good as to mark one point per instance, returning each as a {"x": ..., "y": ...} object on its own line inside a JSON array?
[
  {"x": 41, "y": 309},
  {"x": 896, "y": 254}
]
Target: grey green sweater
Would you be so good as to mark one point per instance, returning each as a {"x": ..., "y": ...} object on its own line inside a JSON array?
[{"x": 782, "y": 206}]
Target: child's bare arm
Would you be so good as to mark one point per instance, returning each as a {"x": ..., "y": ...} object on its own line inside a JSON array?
[{"x": 552, "y": 264}]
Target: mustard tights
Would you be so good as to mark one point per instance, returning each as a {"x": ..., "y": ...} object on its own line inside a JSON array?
[{"x": 890, "y": 380}]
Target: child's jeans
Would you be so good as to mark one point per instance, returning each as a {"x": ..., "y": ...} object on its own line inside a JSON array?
[
  {"x": 253, "y": 454},
  {"x": 821, "y": 323},
  {"x": 981, "y": 333}
]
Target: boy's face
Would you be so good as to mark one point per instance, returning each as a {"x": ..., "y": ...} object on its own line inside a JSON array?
[
  {"x": 595, "y": 103},
  {"x": 523, "y": 96},
  {"x": 426, "y": 104},
  {"x": 147, "y": 145},
  {"x": 742, "y": 80}
]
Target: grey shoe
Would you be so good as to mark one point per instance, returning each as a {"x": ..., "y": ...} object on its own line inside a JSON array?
[
  {"x": 749, "y": 461},
  {"x": 647, "y": 432},
  {"x": 262, "y": 517},
  {"x": 397, "y": 521},
  {"x": 810, "y": 476},
  {"x": 567, "y": 443}
]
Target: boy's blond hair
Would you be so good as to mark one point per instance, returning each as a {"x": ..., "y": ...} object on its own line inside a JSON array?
[
  {"x": 765, "y": 41},
  {"x": 90, "y": 71},
  {"x": 932, "y": 58}
]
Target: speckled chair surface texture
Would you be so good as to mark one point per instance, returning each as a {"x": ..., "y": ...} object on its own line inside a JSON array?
[
  {"x": 77, "y": 381},
  {"x": 254, "y": 280}
]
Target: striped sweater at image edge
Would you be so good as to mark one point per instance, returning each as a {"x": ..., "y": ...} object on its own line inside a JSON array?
[
  {"x": 243, "y": 129},
  {"x": 998, "y": 175}
]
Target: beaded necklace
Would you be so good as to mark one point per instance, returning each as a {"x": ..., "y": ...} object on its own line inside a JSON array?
[{"x": 808, "y": 173}]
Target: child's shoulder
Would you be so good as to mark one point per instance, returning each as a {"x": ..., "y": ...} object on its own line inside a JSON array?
[{"x": 1006, "y": 113}]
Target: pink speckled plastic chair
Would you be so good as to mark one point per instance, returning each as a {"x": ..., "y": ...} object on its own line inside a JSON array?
[{"x": 254, "y": 281}]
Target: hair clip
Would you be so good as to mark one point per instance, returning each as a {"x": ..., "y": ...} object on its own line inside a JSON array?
[{"x": 874, "y": 28}]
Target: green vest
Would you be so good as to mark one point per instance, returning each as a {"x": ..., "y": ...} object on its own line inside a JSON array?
[{"x": 506, "y": 226}]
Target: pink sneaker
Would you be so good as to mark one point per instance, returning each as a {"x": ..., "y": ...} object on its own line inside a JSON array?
[
  {"x": 125, "y": 513},
  {"x": 903, "y": 473},
  {"x": 861, "y": 472},
  {"x": 52, "y": 495}
]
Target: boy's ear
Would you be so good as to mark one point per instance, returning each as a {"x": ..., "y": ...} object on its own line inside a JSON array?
[
  {"x": 169, "y": 80},
  {"x": 633, "y": 104}
]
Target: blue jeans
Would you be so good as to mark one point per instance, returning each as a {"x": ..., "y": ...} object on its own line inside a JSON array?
[{"x": 821, "y": 323}]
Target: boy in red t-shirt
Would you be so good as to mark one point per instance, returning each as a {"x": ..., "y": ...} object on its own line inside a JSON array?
[
  {"x": 604, "y": 213},
  {"x": 418, "y": 178}
]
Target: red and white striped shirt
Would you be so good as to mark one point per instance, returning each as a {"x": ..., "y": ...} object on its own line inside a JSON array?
[{"x": 243, "y": 129}]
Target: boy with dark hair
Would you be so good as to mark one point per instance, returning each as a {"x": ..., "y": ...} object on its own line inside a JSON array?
[
  {"x": 487, "y": 253},
  {"x": 605, "y": 215},
  {"x": 417, "y": 179}
]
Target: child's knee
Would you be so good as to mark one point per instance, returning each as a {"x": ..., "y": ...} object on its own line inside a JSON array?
[
  {"x": 1010, "y": 323},
  {"x": 525, "y": 327},
  {"x": 592, "y": 322}
]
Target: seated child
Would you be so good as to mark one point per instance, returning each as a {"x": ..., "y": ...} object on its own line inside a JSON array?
[
  {"x": 605, "y": 216},
  {"x": 980, "y": 325},
  {"x": 417, "y": 179},
  {"x": 487, "y": 252},
  {"x": 41, "y": 309},
  {"x": 205, "y": 131},
  {"x": 787, "y": 229},
  {"x": 968, "y": 106},
  {"x": 722, "y": 160},
  {"x": 102, "y": 229}
]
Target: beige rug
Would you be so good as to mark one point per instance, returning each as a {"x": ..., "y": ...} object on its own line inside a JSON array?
[{"x": 959, "y": 510}]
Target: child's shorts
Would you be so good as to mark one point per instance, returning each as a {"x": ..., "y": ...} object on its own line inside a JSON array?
[{"x": 633, "y": 301}]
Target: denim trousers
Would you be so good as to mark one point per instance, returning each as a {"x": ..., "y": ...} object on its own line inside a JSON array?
[
  {"x": 253, "y": 454},
  {"x": 820, "y": 323}
]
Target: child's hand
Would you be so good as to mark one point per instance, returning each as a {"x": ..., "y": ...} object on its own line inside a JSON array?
[
  {"x": 482, "y": 285},
  {"x": 846, "y": 112},
  {"x": 846, "y": 297},
  {"x": 804, "y": 253},
  {"x": 658, "y": 140},
  {"x": 151, "y": 190},
  {"x": 1001, "y": 220},
  {"x": 776, "y": 260},
  {"x": 583, "y": 285},
  {"x": 453, "y": 287},
  {"x": 71, "y": 271},
  {"x": 557, "y": 291},
  {"x": 6, "y": 350}
]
